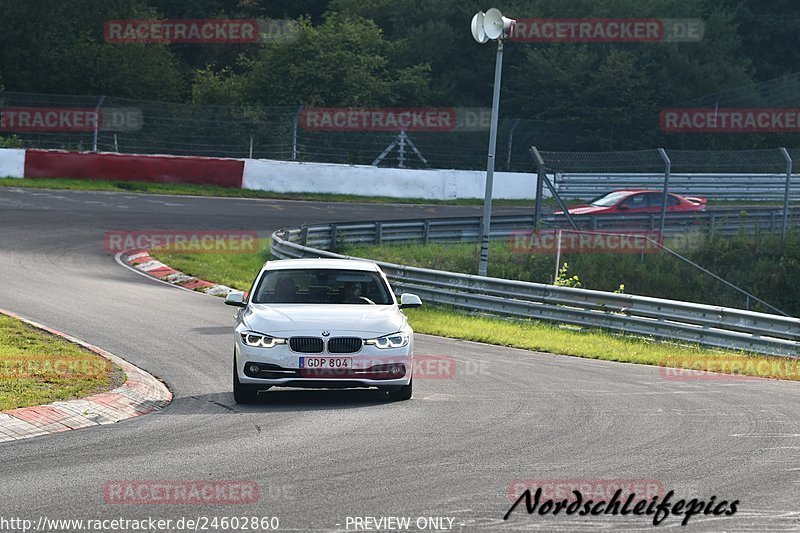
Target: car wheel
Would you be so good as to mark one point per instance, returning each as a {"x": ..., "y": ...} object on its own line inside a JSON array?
[
  {"x": 242, "y": 393},
  {"x": 403, "y": 392}
]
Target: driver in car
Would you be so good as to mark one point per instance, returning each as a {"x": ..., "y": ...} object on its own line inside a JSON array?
[{"x": 351, "y": 293}]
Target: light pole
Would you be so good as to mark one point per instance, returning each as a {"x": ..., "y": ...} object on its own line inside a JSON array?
[{"x": 491, "y": 25}]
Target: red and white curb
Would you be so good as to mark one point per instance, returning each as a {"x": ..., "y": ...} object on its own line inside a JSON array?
[
  {"x": 141, "y": 261},
  {"x": 140, "y": 394}
]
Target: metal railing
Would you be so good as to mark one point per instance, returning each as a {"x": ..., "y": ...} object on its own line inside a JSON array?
[
  {"x": 708, "y": 325},
  {"x": 725, "y": 222},
  {"x": 755, "y": 187}
]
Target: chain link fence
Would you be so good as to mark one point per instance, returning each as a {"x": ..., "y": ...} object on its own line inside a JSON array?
[
  {"x": 146, "y": 127},
  {"x": 124, "y": 125}
]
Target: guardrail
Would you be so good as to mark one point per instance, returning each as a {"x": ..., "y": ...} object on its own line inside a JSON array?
[
  {"x": 755, "y": 187},
  {"x": 708, "y": 325},
  {"x": 726, "y": 221},
  {"x": 465, "y": 229}
]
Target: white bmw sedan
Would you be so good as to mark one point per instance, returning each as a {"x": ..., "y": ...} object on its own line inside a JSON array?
[{"x": 326, "y": 323}]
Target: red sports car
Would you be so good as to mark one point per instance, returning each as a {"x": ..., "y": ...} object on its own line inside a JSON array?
[{"x": 637, "y": 201}]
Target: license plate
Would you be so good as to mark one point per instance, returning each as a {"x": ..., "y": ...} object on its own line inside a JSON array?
[{"x": 326, "y": 363}]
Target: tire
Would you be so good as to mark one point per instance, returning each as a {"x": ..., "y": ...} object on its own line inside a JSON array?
[
  {"x": 242, "y": 393},
  {"x": 401, "y": 393}
]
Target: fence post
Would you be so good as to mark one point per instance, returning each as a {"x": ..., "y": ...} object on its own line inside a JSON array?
[
  {"x": 540, "y": 175},
  {"x": 667, "y": 172},
  {"x": 251, "y": 147},
  {"x": 511, "y": 142},
  {"x": 295, "y": 121},
  {"x": 334, "y": 237},
  {"x": 98, "y": 119},
  {"x": 788, "y": 159},
  {"x": 401, "y": 149}
]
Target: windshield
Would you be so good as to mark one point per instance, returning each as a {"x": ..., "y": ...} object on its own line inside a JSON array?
[
  {"x": 322, "y": 286},
  {"x": 609, "y": 199}
]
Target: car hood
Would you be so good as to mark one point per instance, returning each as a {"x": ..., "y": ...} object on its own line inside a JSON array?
[{"x": 341, "y": 319}]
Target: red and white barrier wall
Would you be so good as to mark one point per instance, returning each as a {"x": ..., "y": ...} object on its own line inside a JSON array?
[{"x": 263, "y": 174}]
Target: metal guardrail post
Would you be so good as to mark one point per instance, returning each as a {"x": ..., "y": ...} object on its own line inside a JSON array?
[
  {"x": 667, "y": 171},
  {"x": 788, "y": 159},
  {"x": 541, "y": 170},
  {"x": 304, "y": 235},
  {"x": 334, "y": 238},
  {"x": 378, "y": 233},
  {"x": 426, "y": 232}
]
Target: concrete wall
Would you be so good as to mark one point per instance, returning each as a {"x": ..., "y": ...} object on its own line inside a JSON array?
[
  {"x": 291, "y": 176},
  {"x": 269, "y": 175},
  {"x": 12, "y": 163}
]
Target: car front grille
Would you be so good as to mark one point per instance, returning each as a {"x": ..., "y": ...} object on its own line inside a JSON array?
[
  {"x": 306, "y": 344},
  {"x": 344, "y": 345}
]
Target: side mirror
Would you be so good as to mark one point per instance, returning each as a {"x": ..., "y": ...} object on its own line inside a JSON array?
[
  {"x": 409, "y": 300},
  {"x": 235, "y": 298},
  {"x": 623, "y": 207}
]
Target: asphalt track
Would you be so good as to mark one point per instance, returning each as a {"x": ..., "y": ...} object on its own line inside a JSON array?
[{"x": 321, "y": 456}]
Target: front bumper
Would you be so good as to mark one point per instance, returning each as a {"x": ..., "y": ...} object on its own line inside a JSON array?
[{"x": 280, "y": 366}]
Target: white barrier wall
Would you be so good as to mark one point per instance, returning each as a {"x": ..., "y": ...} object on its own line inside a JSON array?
[
  {"x": 291, "y": 176},
  {"x": 12, "y": 163}
]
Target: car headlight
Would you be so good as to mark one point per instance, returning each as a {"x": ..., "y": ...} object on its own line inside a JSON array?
[
  {"x": 395, "y": 340},
  {"x": 259, "y": 340}
]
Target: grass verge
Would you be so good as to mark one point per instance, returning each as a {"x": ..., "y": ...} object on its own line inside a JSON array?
[
  {"x": 37, "y": 367},
  {"x": 210, "y": 190},
  {"x": 236, "y": 270},
  {"x": 239, "y": 270}
]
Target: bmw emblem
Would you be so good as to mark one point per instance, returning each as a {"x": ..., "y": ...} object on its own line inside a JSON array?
[{"x": 326, "y": 333}]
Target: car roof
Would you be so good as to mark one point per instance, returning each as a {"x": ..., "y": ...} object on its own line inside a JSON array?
[
  {"x": 338, "y": 264},
  {"x": 636, "y": 191}
]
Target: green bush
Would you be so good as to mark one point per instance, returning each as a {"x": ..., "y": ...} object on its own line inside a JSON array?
[{"x": 12, "y": 141}]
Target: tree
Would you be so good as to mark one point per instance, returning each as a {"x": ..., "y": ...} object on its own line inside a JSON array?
[
  {"x": 56, "y": 46},
  {"x": 343, "y": 62}
]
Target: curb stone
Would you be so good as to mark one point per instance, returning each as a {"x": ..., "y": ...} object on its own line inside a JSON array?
[
  {"x": 141, "y": 260},
  {"x": 140, "y": 394}
]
